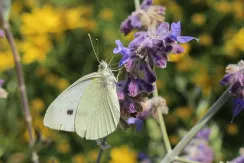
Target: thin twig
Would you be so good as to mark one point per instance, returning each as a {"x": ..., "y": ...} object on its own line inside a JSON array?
[
  {"x": 21, "y": 82},
  {"x": 162, "y": 124},
  {"x": 137, "y": 4},
  {"x": 190, "y": 135},
  {"x": 101, "y": 150}
]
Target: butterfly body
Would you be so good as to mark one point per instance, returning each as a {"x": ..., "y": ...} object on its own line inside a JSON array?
[{"x": 90, "y": 106}]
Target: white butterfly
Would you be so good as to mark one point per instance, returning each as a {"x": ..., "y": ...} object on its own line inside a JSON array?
[{"x": 90, "y": 106}]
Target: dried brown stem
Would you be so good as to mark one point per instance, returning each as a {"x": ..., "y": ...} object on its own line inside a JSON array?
[{"x": 21, "y": 82}]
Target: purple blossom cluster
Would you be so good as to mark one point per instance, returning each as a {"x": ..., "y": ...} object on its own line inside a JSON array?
[
  {"x": 147, "y": 15},
  {"x": 198, "y": 149},
  {"x": 235, "y": 78},
  {"x": 148, "y": 49}
]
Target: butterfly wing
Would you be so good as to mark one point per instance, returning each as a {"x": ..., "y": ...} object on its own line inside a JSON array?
[
  {"x": 98, "y": 112},
  {"x": 60, "y": 115}
]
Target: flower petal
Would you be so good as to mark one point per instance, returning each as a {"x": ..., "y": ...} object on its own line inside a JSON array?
[
  {"x": 184, "y": 39},
  {"x": 176, "y": 29}
]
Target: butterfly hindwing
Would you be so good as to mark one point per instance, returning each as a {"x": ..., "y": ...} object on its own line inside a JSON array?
[
  {"x": 98, "y": 112},
  {"x": 60, "y": 114}
]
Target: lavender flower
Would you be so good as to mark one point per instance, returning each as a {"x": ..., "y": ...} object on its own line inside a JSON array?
[
  {"x": 235, "y": 78},
  {"x": 150, "y": 107},
  {"x": 147, "y": 15},
  {"x": 239, "y": 159},
  {"x": 148, "y": 49},
  {"x": 198, "y": 149},
  {"x": 3, "y": 93}
]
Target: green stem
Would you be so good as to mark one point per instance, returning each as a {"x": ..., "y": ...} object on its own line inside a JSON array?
[
  {"x": 22, "y": 89},
  {"x": 137, "y": 4},
  {"x": 184, "y": 160},
  {"x": 101, "y": 150},
  {"x": 190, "y": 135},
  {"x": 162, "y": 124}
]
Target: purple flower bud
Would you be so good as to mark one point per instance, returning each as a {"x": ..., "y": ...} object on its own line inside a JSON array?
[
  {"x": 136, "y": 121},
  {"x": 235, "y": 78},
  {"x": 125, "y": 52}
]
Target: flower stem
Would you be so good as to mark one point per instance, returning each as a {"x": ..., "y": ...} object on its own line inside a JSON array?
[
  {"x": 137, "y": 4},
  {"x": 190, "y": 135},
  {"x": 101, "y": 150},
  {"x": 184, "y": 160},
  {"x": 21, "y": 82},
  {"x": 162, "y": 124}
]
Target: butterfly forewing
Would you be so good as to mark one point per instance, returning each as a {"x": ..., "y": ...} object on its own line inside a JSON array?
[
  {"x": 98, "y": 111},
  {"x": 60, "y": 114}
]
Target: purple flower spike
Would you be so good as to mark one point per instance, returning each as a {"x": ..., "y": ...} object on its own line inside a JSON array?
[
  {"x": 176, "y": 32},
  {"x": 123, "y": 51},
  {"x": 136, "y": 121}
]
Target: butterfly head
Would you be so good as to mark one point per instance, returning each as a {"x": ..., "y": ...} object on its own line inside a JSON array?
[{"x": 103, "y": 65}]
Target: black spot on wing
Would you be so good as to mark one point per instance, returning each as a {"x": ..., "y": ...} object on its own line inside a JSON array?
[{"x": 70, "y": 111}]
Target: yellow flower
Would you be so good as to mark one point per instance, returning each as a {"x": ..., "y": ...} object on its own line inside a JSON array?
[
  {"x": 72, "y": 18},
  {"x": 51, "y": 79},
  {"x": 41, "y": 20},
  {"x": 41, "y": 71},
  {"x": 205, "y": 39},
  {"x": 37, "y": 104},
  {"x": 183, "y": 112},
  {"x": 92, "y": 155},
  {"x": 7, "y": 60},
  {"x": 123, "y": 154},
  {"x": 79, "y": 158},
  {"x": 239, "y": 39},
  {"x": 232, "y": 129},
  {"x": 178, "y": 57},
  {"x": 203, "y": 80},
  {"x": 62, "y": 84},
  {"x": 35, "y": 48},
  {"x": 106, "y": 14},
  {"x": 238, "y": 9},
  {"x": 198, "y": 19},
  {"x": 63, "y": 147},
  {"x": 53, "y": 160},
  {"x": 183, "y": 65},
  {"x": 223, "y": 7}
]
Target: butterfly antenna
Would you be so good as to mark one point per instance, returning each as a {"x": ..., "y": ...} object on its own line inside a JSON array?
[
  {"x": 93, "y": 47},
  {"x": 111, "y": 60},
  {"x": 97, "y": 45}
]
